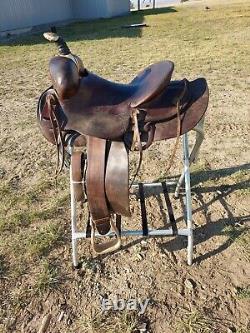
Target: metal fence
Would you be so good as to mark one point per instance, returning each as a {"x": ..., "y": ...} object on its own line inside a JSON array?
[{"x": 144, "y": 4}]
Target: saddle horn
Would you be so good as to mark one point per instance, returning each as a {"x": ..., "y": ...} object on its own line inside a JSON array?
[
  {"x": 52, "y": 36},
  {"x": 64, "y": 50}
]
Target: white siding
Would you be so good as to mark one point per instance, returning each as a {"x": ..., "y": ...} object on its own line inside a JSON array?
[
  {"x": 117, "y": 8},
  {"x": 90, "y": 9},
  {"x": 17, "y": 14}
]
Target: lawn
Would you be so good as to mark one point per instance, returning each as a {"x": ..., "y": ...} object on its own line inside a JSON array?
[{"x": 36, "y": 277}]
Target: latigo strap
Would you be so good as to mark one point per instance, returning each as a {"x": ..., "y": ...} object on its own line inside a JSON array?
[{"x": 95, "y": 184}]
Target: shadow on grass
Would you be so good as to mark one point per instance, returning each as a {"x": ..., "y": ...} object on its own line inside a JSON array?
[
  {"x": 205, "y": 175},
  {"x": 92, "y": 30}
]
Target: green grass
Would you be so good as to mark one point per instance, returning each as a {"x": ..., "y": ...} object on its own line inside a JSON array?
[
  {"x": 41, "y": 242},
  {"x": 110, "y": 322},
  {"x": 20, "y": 209},
  {"x": 195, "y": 322},
  {"x": 48, "y": 278},
  {"x": 243, "y": 293},
  {"x": 242, "y": 175},
  {"x": 240, "y": 236},
  {"x": 17, "y": 220},
  {"x": 29, "y": 245},
  {"x": 224, "y": 178}
]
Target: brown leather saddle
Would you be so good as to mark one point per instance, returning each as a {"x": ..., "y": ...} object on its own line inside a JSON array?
[{"x": 112, "y": 119}]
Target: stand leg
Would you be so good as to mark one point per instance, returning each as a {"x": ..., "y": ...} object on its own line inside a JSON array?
[
  {"x": 188, "y": 203},
  {"x": 194, "y": 154},
  {"x": 199, "y": 129},
  {"x": 73, "y": 221}
]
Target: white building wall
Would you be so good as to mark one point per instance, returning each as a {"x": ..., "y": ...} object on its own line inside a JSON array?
[
  {"x": 117, "y": 8},
  {"x": 18, "y": 14},
  {"x": 90, "y": 9}
]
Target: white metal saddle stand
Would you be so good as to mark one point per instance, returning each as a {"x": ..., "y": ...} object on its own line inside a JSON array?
[{"x": 184, "y": 178}]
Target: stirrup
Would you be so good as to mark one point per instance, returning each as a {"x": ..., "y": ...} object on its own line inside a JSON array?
[{"x": 108, "y": 246}]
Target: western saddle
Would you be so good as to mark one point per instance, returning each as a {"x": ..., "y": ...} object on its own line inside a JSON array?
[{"x": 111, "y": 119}]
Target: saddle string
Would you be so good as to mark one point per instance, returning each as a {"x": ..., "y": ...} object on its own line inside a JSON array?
[
  {"x": 150, "y": 129},
  {"x": 137, "y": 169},
  {"x": 52, "y": 121},
  {"x": 178, "y": 132},
  {"x": 60, "y": 150},
  {"x": 57, "y": 135},
  {"x": 170, "y": 162},
  {"x": 136, "y": 142}
]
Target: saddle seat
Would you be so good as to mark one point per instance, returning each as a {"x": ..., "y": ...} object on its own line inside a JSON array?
[{"x": 150, "y": 82}]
